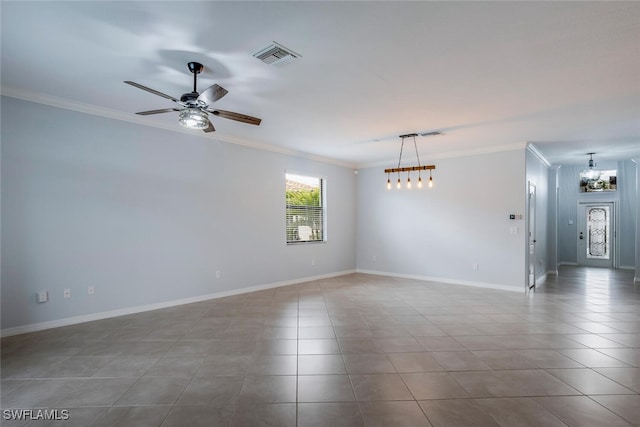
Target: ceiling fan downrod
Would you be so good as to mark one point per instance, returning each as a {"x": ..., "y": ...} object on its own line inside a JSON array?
[{"x": 195, "y": 68}]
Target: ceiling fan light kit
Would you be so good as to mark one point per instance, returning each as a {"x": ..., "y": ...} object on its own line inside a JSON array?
[
  {"x": 193, "y": 118},
  {"x": 196, "y": 106},
  {"x": 409, "y": 169}
]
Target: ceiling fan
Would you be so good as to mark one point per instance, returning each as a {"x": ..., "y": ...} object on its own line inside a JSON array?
[{"x": 194, "y": 106}]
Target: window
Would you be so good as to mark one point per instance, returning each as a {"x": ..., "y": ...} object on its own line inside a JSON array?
[{"x": 305, "y": 209}]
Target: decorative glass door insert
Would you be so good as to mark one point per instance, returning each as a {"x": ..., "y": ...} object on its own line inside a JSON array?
[{"x": 598, "y": 230}]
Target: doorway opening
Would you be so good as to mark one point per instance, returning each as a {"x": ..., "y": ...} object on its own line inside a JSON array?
[{"x": 531, "y": 283}]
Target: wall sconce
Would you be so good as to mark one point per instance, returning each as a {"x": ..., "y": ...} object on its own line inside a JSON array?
[{"x": 409, "y": 169}]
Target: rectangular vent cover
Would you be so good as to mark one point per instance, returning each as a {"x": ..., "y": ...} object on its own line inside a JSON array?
[{"x": 276, "y": 54}]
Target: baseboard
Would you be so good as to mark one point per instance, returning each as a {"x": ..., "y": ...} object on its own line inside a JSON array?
[
  {"x": 567, "y": 263},
  {"x": 627, "y": 267},
  {"x": 552, "y": 272},
  {"x": 443, "y": 280},
  {"x": 33, "y": 327}
]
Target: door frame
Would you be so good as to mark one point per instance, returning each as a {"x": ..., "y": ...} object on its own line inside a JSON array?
[
  {"x": 531, "y": 276},
  {"x": 614, "y": 227}
]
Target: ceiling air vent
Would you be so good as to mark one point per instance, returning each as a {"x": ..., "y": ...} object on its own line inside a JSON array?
[{"x": 276, "y": 54}]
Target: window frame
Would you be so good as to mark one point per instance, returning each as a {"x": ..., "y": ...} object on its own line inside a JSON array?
[{"x": 322, "y": 209}]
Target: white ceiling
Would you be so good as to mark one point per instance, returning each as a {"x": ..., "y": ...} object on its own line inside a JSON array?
[{"x": 489, "y": 75}]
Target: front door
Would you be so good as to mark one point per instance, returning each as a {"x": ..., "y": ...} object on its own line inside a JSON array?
[{"x": 595, "y": 234}]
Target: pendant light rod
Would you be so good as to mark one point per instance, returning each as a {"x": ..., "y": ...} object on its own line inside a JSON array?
[{"x": 410, "y": 169}]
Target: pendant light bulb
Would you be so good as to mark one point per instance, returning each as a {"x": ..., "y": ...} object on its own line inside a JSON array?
[
  {"x": 408, "y": 182},
  {"x": 388, "y": 184},
  {"x": 419, "y": 181},
  {"x": 399, "y": 185},
  {"x": 430, "y": 182}
]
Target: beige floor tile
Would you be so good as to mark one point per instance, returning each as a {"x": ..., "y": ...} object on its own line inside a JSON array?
[
  {"x": 460, "y": 361},
  {"x": 329, "y": 414},
  {"x": 593, "y": 358},
  {"x": 213, "y": 366},
  {"x": 318, "y": 346},
  {"x": 181, "y": 367},
  {"x": 628, "y": 407},
  {"x": 264, "y": 415},
  {"x": 154, "y": 391},
  {"x": 433, "y": 385},
  {"x": 126, "y": 367},
  {"x": 589, "y": 382},
  {"x": 504, "y": 359},
  {"x": 595, "y": 341},
  {"x": 365, "y": 363},
  {"x": 268, "y": 389},
  {"x": 457, "y": 412},
  {"x": 324, "y": 388},
  {"x": 628, "y": 377},
  {"x": 415, "y": 362},
  {"x": 319, "y": 364},
  {"x": 195, "y": 416},
  {"x": 520, "y": 411},
  {"x": 512, "y": 383},
  {"x": 129, "y": 415},
  {"x": 273, "y": 365},
  {"x": 374, "y": 387},
  {"x": 549, "y": 359},
  {"x": 316, "y": 332},
  {"x": 581, "y": 411},
  {"x": 626, "y": 355},
  {"x": 218, "y": 392},
  {"x": 397, "y": 414}
]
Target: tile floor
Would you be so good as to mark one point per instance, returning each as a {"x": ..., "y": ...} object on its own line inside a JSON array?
[{"x": 349, "y": 351}]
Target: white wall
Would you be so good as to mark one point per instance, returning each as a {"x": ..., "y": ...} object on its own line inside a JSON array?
[
  {"x": 552, "y": 219},
  {"x": 628, "y": 195},
  {"x": 146, "y": 215},
  {"x": 442, "y": 232}
]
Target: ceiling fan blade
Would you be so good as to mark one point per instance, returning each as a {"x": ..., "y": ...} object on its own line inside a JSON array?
[
  {"x": 212, "y": 94},
  {"x": 236, "y": 116},
  {"x": 209, "y": 128},
  {"x": 153, "y": 91},
  {"x": 165, "y": 110}
]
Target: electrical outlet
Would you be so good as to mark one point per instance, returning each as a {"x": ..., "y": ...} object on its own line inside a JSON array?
[
  {"x": 313, "y": 261},
  {"x": 42, "y": 296},
  {"x": 218, "y": 274},
  {"x": 67, "y": 293},
  {"x": 91, "y": 290},
  {"x": 375, "y": 258},
  {"x": 476, "y": 266}
]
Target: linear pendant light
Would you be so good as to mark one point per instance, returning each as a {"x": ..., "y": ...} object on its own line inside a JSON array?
[{"x": 409, "y": 169}]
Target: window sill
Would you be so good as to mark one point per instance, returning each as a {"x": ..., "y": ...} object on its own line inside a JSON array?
[{"x": 302, "y": 242}]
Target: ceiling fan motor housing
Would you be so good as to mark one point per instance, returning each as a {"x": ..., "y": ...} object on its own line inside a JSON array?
[{"x": 190, "y": 98}]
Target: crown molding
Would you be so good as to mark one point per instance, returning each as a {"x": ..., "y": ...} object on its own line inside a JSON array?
[
  {"x": 534, "y": 150},
  {"x": 108, "y": 113}
]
